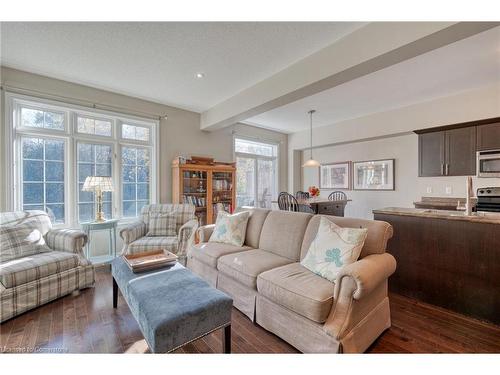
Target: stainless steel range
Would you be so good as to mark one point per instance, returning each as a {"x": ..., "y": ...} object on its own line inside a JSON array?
[{"x": 488, "y": 199}]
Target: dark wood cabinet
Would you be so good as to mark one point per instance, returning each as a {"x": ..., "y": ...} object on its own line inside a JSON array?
[
  {"x": 447, "y": 152},
  {"x": 431, "y": 154},
  {"x": 449, "y": 263},
  {"x": 488, "y": 137},
  {"x": 460, "y": 152}
]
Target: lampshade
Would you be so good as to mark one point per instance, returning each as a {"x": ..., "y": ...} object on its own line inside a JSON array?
[
  {"x": 98, "y": 183},
  {"x": 311, "y": 163}
]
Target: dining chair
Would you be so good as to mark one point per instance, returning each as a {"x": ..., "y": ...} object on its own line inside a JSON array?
[
  {"x": 287, "y": 202},
  {"x": 302, "y": 195},
  {"x": 337, "y": 196}
]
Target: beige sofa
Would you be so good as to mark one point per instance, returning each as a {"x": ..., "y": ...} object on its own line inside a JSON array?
[{"x": 269, "y": 285}]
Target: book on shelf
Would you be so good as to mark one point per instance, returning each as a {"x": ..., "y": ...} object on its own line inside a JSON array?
[{"x": 195, "y": 200}]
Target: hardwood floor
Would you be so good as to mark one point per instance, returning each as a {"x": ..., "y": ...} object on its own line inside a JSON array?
[{"x": 87, "y": 323}]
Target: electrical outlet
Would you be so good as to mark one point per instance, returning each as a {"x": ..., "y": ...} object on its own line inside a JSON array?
[
  {"x": 429, "y": 189},
  {"x": 448, "y": 190}
]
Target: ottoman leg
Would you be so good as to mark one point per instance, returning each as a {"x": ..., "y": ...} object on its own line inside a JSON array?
[
  {"x": 226, "y": 343},
  {"x": 115, "y": 293}
]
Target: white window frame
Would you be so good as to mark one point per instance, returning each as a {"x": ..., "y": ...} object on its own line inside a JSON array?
[
  {"x": 257, "y": 157},
  {"x": 13, "y": 156}
]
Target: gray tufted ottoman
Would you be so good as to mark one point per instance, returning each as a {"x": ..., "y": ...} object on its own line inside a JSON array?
[{"x": 172, "y": 305}]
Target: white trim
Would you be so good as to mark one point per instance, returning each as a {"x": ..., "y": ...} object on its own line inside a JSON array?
[{"x": 71, "y": 136}]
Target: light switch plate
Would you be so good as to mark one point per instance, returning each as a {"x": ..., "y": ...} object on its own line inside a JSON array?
[
  {"x": 429, "y": 189},
  {"x": 448, "y": 190}
]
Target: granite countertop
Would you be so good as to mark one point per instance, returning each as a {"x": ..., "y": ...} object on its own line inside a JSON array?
[{"x": 481, "y": 217}]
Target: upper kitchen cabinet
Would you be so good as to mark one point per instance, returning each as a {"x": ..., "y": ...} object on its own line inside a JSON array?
[
  {"x": 447, "y": 152},
  {"x": 488, "y": 137}
]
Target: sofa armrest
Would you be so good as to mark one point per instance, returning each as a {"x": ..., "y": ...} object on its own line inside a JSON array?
[
  {"x": 367, "y": 274},
  {"x": 68, "y": 240},
  {"x": 186, "y": 236},
  {"x": 205, "y": 231},
  {"x": 354, "y": 285},
  {"x": 132, "y": 232}
]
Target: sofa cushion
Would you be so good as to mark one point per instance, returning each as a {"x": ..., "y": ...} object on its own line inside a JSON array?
[
  {"x": 209, "y": 252},
  {"x": 230, "y": 229},
  {"x": 283, "y": 232},
  {"x": 379, "y": 232},
  {"x": 21, "y": 240},
  {"x": 299, "y": 290},
  {"x": 34, "y": 267},
  {"x": 162, "y": 224},
  {"x": 247, "y": 265},
  {"x": 255, "y": 223},
  {"x": 153, "y": 243},
  {"x": 184, "y": 212},
  {"x": 333, "y": 248}
]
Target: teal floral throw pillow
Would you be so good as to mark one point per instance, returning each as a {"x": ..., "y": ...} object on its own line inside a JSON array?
[
  {"x": 333, "y": 248},
  {"x": 230, "y": 229}
]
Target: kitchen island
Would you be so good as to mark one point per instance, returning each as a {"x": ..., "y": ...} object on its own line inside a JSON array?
[{"x": 446, "y": 258}]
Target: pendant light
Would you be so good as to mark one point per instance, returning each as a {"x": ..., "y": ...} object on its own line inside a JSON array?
[{"x": 311, "y": 162}]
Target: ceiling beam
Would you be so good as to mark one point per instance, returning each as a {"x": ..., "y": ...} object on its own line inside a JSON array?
[{"x": 371, "y": 48}]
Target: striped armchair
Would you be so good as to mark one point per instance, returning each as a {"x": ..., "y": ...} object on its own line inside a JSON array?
[
  {"x": 135, "y": 239},
  {"x": 37, "y": 263}
]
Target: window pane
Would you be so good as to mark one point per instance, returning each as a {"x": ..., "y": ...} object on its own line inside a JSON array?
[
  {"x": 142, "y": 191},
  {"x": 265, "y": 182},
  {"x": 54, "y": 171},
  {"x": 129, "y": 209},
  {"x": 129, "y": 174},
  {"x": 32, "y": 118},
  {"x": 86, "y": 152},
  {"x": 32, "y": 148},
  {"x": 129, "y": 192},
  {"x": 32, "y": 170},
  {"x": 85, "y": 212},
  {"x": 55, "y": 193},
  {"x": 102, "y": 154},
  {"x": 43, "y": 179},
  {"x": 57, "y": 211},
  {"x": 32, "y": 193},
  {"x": 86, "y": 125},
  {"x": 54, "y": 150},
  {"x": 35, "y": 118},
  {"x": 54, "y": 121},
  {"x": 138, "y": 133},
  {"x": 135, "y": 178},
  {"x": 256, "y": 148},
  {"x": 245, "y": 182},
  {"x": 85, "y": 170},
  {"x": 93, "y": 160},
  {"x": 103, "y": 128},
  {"x": 27, "y": 207}
]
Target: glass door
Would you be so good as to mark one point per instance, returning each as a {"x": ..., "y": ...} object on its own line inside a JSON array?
[
  {"x": 222, "y": 192},
  {"x": 245, "y": 181},
  {"x": 194, "y": 191}
]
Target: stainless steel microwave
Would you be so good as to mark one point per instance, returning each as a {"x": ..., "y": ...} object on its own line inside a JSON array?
[{"x": 488, "y": 163}]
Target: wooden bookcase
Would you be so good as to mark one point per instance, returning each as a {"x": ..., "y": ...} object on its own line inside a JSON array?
[{"x": 204, "y": 185}]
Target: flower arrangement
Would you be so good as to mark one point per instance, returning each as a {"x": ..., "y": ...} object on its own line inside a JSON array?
[{"x": 313, "y": 191}]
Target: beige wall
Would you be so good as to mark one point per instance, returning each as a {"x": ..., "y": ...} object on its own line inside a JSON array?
[
  {"x": 179, "y": 134},
  {"x": 390, "y": 135}
]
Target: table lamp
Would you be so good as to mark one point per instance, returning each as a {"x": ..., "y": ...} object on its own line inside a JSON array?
[{"x": 98, "y": 185}]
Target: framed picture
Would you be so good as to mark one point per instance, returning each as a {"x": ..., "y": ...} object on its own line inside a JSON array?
[
  {"x": 335, "y": 176},
  {"x": 374, "y": 175}
]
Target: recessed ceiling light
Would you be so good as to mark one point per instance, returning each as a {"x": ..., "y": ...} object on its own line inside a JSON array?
[{"x": 200, "y": 75}]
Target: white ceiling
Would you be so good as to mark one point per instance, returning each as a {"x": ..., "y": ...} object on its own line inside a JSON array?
[
  {"x": 464, "y": 65},
  {"x": 158, "y": 61}
]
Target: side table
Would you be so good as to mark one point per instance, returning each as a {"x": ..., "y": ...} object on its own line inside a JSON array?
[{"x": 109, "y": 225}]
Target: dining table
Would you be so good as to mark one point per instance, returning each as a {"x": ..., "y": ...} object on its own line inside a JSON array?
[{"x": 322, "y": 206}]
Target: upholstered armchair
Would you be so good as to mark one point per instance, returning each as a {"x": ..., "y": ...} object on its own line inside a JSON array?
[
  {"x": 136, "y": 240},
  {"x": 30, "y": 277}
]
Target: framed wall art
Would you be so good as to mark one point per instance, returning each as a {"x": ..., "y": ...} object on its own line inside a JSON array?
[
  {"x": 335, "y": 176},
  {"x": 374, "y": 175}
]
